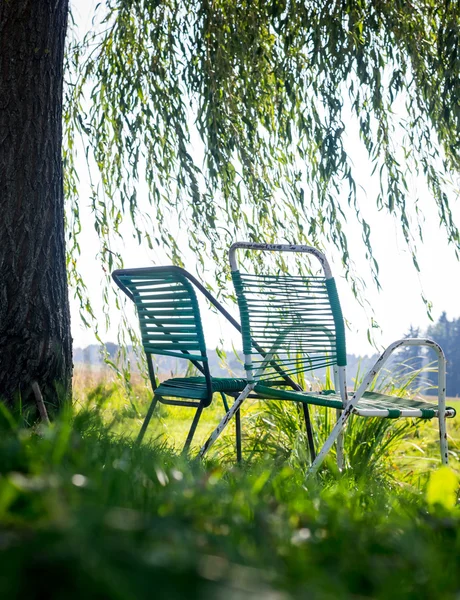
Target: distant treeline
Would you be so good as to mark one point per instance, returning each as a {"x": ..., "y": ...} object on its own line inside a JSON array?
[{"x": 447, "y": 334}]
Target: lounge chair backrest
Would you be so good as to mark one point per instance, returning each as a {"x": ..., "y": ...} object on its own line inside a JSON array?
[
  {"x": 296, "y": 320},
  {"x": 167, "y": 306}
]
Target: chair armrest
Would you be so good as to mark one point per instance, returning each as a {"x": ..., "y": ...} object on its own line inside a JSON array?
[{"x": 369, "y": 377}]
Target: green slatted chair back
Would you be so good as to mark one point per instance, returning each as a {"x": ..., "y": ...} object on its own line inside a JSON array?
[
  {"x": 293, "y": 321},
  {"x": 168, "y": 311}
]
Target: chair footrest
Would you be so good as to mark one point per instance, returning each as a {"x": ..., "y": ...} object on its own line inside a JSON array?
[{"x": 372, "y": 404}]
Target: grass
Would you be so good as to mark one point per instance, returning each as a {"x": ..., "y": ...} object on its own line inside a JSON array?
[
  {"x": 272, "y": 429},
  {"x": 105, "y": 393},
  {"x": 85, "y": 513}
]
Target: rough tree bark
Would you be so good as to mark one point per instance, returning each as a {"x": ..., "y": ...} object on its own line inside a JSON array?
[{"x": 35, "y": 339}]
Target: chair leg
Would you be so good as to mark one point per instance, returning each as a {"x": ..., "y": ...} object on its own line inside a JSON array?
[
  {"x": 224, "y": 422},
  {"x": 339, "y": 444},
  {"x": 146, "y": 422},
  {"x": 443, "y": 439},
  {"x": 238, "y": 436},
  {"x": 237, "y": 426},
  {"x": 224, "y": 401},
  {"x": 191, "y": 433},
  {"x": 330, "y": 440},
  {"x": 311, "y": 442},
  {"x": 442, "y": 407}
]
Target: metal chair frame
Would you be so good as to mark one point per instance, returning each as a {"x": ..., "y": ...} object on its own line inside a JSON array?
[{"x": 345, "y": 405}]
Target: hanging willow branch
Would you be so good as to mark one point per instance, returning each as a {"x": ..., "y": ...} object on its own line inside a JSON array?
[{"x": 235, "y": 113}]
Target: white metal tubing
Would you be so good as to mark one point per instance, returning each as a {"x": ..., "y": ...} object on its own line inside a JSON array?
[
  {"x": 343, "y": 384},
  {"x": 330, "y": 440},
  {"x": 248, "y": 367},
  {"x": 442, "y": 409},
  {"x": 279, "y": 248},
  {"x": 336, "y": 377},
  {"x": 218, "y": 430},
  {"x": 368, "y": 380}
]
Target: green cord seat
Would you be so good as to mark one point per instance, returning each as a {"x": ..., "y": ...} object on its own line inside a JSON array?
[
  {"x": 195, "y": 387},
  {"x": 371, "y": 401},
  {"x": 398, "y": 406}
]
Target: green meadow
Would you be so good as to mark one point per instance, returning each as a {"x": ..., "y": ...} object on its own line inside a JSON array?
[{"x": 86, "y": 513}]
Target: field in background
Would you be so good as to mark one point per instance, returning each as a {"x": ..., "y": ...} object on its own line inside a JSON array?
[{"x": 124, "y": 411}]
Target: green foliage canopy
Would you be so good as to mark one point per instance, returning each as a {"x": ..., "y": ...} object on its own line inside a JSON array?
[{"x": 235, "y": 113}]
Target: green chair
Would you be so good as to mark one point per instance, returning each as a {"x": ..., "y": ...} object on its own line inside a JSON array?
[
  {"x": 295, "y": 322},
  {"x": 170, "y": 325}
]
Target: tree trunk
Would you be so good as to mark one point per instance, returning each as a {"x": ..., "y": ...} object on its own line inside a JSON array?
[{"x": 35, "y": 339}]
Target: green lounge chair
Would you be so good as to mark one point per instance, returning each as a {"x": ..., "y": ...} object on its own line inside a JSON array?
[
  {"x": 170, "y": 325},
  {"x": 297, "y": 322}
]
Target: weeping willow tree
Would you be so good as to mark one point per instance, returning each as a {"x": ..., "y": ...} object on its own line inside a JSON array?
[{"x": 235, "y": 114}]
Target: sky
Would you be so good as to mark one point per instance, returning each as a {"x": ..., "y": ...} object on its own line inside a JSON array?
[{"x": 395, "y": 308}]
